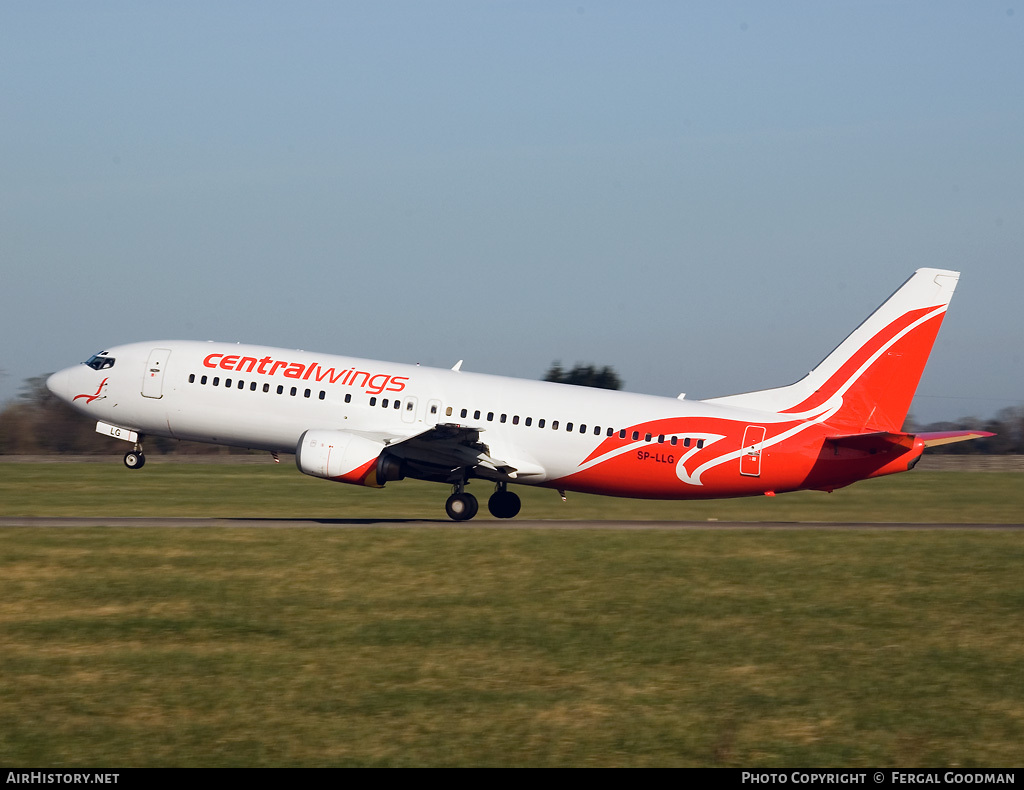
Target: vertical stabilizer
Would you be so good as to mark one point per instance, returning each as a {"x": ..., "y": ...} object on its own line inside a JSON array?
[{"x": 868, "y": 381}]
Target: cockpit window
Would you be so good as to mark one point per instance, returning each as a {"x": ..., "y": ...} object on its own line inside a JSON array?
[{"x": 100, "y": 361}]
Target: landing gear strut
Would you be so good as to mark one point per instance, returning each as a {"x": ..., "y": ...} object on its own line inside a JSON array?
[{"x": 503, "y": 503}]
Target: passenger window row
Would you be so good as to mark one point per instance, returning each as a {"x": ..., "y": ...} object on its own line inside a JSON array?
[
  {"x": 396, "y": 404},
  {"x": 580, "y": 428},
  {"x": 253, "y": 386}
]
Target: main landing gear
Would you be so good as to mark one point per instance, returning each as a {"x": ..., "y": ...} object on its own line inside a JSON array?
[
  {"x": 462, "y": 506},
  {"x": 504, "y": 503}
]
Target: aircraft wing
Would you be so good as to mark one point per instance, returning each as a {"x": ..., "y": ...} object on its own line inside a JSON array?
[{"x": 446, "y": 448}]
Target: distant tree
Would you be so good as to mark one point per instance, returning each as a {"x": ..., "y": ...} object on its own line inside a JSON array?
[
  {"x": 1007, "y": 425},
  {"x": 584, "y": 376},
  {"x": 15, "y": 429},
  {"x": 39, "y": 422}
]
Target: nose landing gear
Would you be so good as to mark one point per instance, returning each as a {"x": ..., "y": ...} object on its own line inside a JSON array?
[{"x": 134, "y": 458}]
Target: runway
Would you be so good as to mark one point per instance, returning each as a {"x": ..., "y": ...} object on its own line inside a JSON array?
[{"x": 494, "y": 524}]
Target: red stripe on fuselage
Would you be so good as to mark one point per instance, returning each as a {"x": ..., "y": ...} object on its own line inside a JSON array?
[{"x": 656, "y": 470}]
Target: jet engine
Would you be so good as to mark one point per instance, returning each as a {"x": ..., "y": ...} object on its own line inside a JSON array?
[{"x": 347, "y": 458}]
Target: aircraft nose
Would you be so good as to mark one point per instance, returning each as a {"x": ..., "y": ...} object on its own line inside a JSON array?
[{"x": 60, "y": 383}]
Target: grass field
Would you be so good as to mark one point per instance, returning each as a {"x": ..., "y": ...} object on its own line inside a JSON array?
[{"x": 466, "y": 646}]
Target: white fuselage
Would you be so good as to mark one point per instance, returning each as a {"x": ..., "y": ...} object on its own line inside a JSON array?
[
  {"x": 368, "y": 422},
  {"x": 266, "y": 398}
]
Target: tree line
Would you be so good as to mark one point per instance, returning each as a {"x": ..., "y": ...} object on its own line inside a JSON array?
[{"x": 37, "y": 422}]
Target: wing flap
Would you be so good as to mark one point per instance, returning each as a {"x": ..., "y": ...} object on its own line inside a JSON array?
[{"x": 455, "y": 446}]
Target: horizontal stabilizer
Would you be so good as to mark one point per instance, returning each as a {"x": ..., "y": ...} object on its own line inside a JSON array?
[
  {"x": 936, "y": 438},
  {"x": 881, "y": 441}
]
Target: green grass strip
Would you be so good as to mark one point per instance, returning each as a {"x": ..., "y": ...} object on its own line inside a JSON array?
[{"x": 461, "y": 646}]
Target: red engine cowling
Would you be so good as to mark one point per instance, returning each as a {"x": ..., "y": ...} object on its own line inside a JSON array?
[{"x": 344, "y": 457}]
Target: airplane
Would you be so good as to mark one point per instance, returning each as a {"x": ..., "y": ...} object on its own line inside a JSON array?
[{"x": 368, "y": 422}]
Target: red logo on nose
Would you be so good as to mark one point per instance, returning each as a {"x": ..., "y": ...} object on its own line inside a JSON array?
[{"x": 90, "y": 398}]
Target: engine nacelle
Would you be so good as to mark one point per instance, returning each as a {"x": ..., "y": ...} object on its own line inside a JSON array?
[{"x": 346, "y": 458}]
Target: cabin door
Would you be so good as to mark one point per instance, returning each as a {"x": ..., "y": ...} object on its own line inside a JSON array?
[
  {"x": 750, "y": 461},
  {"x": 153, "y": 378}
]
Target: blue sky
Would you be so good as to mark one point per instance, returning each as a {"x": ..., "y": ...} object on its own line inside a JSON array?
[{"x": 707, "y": 196}]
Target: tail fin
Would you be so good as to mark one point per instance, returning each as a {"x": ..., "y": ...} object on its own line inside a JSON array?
[{"x": 870, "y": 378}]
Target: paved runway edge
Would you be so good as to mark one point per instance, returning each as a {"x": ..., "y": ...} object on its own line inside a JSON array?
[{"x": 276, "y": 523}]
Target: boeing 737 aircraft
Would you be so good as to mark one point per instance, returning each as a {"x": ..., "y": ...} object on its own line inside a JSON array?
[{"x": 367, "y": 422}]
